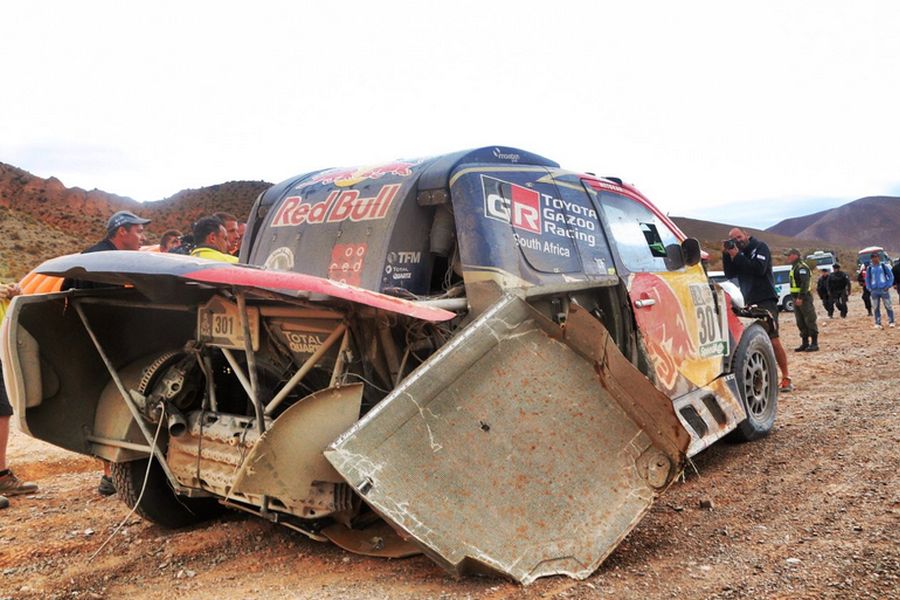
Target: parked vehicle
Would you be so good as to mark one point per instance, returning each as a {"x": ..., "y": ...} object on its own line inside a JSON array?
[
  {"x": 822, "y": 260},
  {"x": 503, "y": 361},
  {"x": 865, "y": 256},
  {"x": 781, "y": 274}
]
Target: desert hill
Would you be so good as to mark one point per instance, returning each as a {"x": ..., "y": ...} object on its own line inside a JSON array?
[
  {"x": 42, "y": 218},
  {"x": 870, "y": 221},
  {"x": 711, "y": 235}
]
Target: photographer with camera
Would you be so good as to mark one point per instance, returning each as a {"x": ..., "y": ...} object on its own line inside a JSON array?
[{"x": 750, "y": 261}]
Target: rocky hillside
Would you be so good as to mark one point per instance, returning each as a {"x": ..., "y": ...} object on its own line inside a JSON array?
[
  {"x": 185, "y": 207},
  {"x": 871, "y": 221},
  {"x": 711, "y": 235},
  {"x": 42, "y": 218}
]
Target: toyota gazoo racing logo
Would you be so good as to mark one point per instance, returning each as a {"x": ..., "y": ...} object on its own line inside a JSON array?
[
  {"x": 346, "y": 177},
  {"x": 513, "y": 204}
]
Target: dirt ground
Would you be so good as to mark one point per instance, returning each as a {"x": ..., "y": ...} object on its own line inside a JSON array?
[{"x": 812, "y": 511}]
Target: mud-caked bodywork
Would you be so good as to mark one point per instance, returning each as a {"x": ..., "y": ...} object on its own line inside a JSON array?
[{"x": 480, "y": 356}]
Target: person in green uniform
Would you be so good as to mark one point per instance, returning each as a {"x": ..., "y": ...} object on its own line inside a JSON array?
[{"x": 804, "y": 311}]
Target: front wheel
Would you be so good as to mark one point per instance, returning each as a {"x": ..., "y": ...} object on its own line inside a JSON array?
[
  {"x": 757, "y": 378},
  {"x": 787, "y": 304}
]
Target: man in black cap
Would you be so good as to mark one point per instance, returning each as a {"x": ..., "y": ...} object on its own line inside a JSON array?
[
  {"x": 124, "y": 231},
  {"x": 804, "y": 311}
]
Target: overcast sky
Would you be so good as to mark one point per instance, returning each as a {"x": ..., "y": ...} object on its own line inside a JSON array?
[{"x": 733, "y": 112}]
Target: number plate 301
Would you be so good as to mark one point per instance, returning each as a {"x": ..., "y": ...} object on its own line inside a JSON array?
[{"x": 219, "y": 324}]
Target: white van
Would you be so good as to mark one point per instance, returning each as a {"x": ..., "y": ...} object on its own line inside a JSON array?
[
  {"x": 823, "y": 260},
  {"x": 782, "y": 274}
]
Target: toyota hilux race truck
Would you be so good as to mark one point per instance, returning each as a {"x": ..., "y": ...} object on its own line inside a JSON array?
[{"x": 479, "y": 356}]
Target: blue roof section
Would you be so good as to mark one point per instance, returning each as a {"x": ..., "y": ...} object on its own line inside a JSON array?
[
  {"x": 438, "y": 169},
  {"x": 437, "y": 174}
]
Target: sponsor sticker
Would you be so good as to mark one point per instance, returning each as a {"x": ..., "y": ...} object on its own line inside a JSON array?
[
  {"x": 280, "y": 259},
  {"x": 532, "y": 212},
  {"x": 400, "y": 264},
  {"x": 337, "y": 207},
  {"x": 347, "y": 263},
  {"x": 511, "y": 203},
  {"x": 346, "y": 177},
  {"x": 303, "y": 343},
  {"x": 512, "y": 157}
]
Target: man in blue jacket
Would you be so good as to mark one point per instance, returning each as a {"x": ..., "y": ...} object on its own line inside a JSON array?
[
  {"x": 879, "y": 280},
  {"x": 750, "y": 260}
]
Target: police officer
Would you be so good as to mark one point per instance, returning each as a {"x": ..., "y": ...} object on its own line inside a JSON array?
[
  {"x": 822, "y": 290},
  {"x": 839, "y": 289},
  {"x": 804, "y": 311}
]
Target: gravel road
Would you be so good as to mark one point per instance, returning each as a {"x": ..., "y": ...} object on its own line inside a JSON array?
[{"x": 812, "y": 511}]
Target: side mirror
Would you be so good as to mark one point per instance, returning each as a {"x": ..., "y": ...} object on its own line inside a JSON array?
[
  {"x": 674, "y": 257},
  {"x": 691, "y": 251}
]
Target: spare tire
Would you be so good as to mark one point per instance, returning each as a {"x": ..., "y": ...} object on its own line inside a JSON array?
[
  {"x": 756, "y": 372},
  {"x": 160, "y": 504}
]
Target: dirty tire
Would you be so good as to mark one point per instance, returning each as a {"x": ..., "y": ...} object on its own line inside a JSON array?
[
  {"x": 160, "y": 505},
  {"x": 757, "y": 378},
  {"x": 787, "y": 305}
]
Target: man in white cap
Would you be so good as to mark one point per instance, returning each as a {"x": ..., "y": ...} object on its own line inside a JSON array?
[{"x": 124, "y": 231}]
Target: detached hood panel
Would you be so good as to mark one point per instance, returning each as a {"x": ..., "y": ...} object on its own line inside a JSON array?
[{"x": 517, "y": 448}]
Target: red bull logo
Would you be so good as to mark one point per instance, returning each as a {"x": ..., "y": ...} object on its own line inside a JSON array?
[
  {"x": 663, "y": 325},
  {"x": 339, "y": 206},
  {"x": 346, "y": 177}
]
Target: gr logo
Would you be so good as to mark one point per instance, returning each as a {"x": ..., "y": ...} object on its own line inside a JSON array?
[{"x": 511, "y": 203}]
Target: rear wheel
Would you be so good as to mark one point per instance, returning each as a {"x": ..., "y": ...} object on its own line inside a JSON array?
[
  {"x": 757, "y": 378},
  {"x": 159, "y": 504},
  {"x": 787, "y": 304}
]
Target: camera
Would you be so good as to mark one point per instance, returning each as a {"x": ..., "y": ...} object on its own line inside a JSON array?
[{"x": 729, "y": 244}]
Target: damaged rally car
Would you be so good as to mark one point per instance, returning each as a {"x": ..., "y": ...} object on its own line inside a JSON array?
[{"x": 479, "y": 356}]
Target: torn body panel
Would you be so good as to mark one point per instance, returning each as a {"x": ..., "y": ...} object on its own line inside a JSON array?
[
  {"x": 517, "y": 450},
  {"x": 287, "y": 465},
  {"x": 154, "y": 274}
]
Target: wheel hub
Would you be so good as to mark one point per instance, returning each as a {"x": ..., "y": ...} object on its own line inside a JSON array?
[{"x": 756, "y": 383}]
